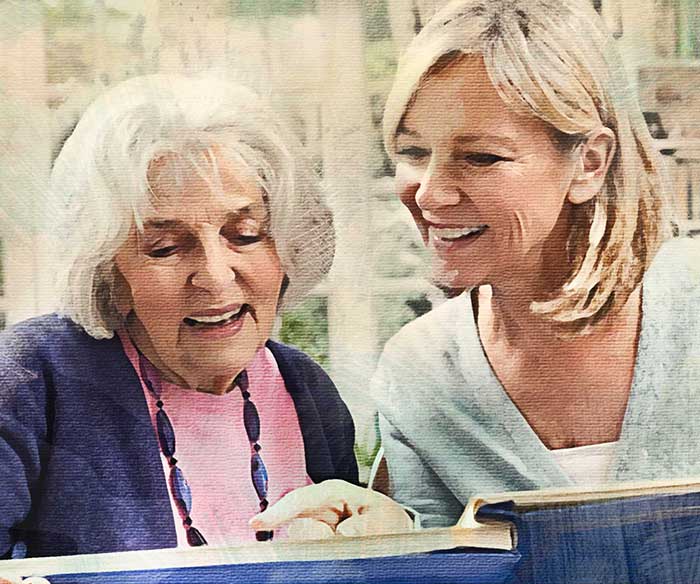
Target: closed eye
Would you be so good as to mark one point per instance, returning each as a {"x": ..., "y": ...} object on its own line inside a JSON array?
[
  {"x": 163, "y": 252},
  {"x": 245, "y": 231},
  {"x": 484, "y": 159},
  {"x": 414, "y": 152},
  {"x": 245, "y": 239}
]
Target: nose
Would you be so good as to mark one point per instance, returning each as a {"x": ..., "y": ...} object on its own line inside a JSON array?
[
  {"x": 437, "y": 188},
  {"x": 214, "y": 270}
]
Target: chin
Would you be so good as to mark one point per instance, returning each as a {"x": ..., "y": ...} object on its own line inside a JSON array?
[
  {"x": 208, "y": 367},
  {"x": 216, "y": 382},
  {"x": 450, "y": 279}
]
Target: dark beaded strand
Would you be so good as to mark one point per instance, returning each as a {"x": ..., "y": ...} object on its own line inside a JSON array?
[
  {"x": 258, "y": 471},
  {"x": 179, "y": 488}
]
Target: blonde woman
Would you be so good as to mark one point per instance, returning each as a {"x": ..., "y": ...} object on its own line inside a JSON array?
[{"x": 569, "y": 359}]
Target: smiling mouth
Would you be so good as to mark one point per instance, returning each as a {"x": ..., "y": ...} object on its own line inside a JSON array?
[
  {"x": 453, "y": 234},
  {"x": 217, "y": 321}
]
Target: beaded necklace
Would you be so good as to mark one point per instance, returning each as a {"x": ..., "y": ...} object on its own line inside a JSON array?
[{"x": 177, "y": 483}]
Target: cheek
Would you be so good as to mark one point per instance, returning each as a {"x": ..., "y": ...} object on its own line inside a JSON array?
[
  {"x": 264, "y": 278},
  {"x": 532, "y": 215},
  {"x": 545, "y": 204},
  {"x": 406, "y": 185},
  {"x": 156, "y": 296}
]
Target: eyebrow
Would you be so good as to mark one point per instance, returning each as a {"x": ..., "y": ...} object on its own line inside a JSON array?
[
  {"x": 163, "y": 224},
  {"x": 403, "y": 131},
  {"x": 471, "y": 138},
  {"x": 466, "y": 138}
]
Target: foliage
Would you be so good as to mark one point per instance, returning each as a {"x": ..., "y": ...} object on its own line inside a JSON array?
[
  {"x": 268, "y": 8},
  {"x": 688, "y": 23},
  {"x": 397, "y": 310},
  {"x": 75, "y": 13},
  {"x": 376, "y": 20},
  {"x": 380, "y": 59},
  {"x": 69, "y": 13},
  {"x": 306, "y": 327},
  {"x": 2, "y": 269},
  {"x": 365, "y": 455}
]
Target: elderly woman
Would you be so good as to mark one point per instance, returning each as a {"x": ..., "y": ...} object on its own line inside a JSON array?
[
  {"x": 155, "y": 411},
  {"x": 569, "y": 359}
]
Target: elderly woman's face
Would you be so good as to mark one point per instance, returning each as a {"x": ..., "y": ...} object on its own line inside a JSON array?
[
  {"x": 487, "y": 186},
  {"x": 203, "y": 278}
]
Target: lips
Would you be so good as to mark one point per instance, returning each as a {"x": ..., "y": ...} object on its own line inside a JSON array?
[
  {"x": 455, "y": 233},
  {"x": 217, "y": 317},
  {"x": 445, "y": 238}
]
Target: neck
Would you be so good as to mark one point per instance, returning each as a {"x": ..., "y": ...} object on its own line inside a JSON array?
[
  {"x": 139, "y": 337},
  {"x": 537, "y": 275},
  {"x": 507, "y": 318},
  {"x": 508, "y": 302}
]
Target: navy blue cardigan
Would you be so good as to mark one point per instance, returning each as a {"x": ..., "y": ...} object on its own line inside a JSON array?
[{"x": 80, "y": 468}]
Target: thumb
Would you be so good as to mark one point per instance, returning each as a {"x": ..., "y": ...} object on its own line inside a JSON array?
[
  {"x": 376, "y": 522},
  {"x": 306, "y": 502},
  {"x": 355, "y": 526},
  {"x": 301, "y": 529}
]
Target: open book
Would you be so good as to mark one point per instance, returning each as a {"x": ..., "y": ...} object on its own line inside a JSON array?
[{"x": 498, "y": 536}]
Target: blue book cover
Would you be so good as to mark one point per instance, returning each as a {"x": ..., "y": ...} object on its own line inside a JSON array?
[
  {"x": 468, "y": 566},
  {"x": 623, "y": 534},
  {"x": 482, "y": 555},
  {"x": 640, "y": 540}
]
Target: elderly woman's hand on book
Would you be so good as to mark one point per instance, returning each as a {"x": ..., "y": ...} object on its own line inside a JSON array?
[{"x": 334, "y": 506}]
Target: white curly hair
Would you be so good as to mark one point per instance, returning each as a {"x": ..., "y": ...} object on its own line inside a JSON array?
[{"x": 100, "y": 184}]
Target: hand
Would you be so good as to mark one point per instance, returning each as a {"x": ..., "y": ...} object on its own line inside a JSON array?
[
  {"x": 344, "y": 508},
  {"x": 307, "y": 528}
]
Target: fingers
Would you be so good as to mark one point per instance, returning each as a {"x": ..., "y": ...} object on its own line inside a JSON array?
[
  {"x": 306, "y": 528},
  {"x": 356, "y": 525},
  {"x": 321, "y": 502},
  {"x": 376, "y": 520},
  {"x": 342, "y": 507}
]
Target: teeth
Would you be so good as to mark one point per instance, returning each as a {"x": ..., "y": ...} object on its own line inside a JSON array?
[
  {"x": 214, "y": 319},
  {"x": 455, "y": 232}
]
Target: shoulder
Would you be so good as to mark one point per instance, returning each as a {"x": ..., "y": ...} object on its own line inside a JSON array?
[
  {"x": 427, "y": 342},
  {"x": 325, "y": 421},
  {"x": 33, "y": 355},
  {"x": 295, "y": 364},
  {"x": 676, "y": 266},
  {"x": 671, "y": 286},
  {"x": 302, "y": 375},
  {"x": 37, "y": 339},
  {"x": 43, "y": 330},
  {"x": 426, "y": 360},
  {"x": 54, "y": 343},
  {"x": 437, "y": 328}
]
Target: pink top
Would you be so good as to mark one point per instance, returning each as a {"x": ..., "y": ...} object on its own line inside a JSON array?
[{"x": 213, "y": 451}]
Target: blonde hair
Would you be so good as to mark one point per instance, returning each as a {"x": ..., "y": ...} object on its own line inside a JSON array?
[
  {"x": 101, "y": 182},
  {"x": 556, "y": 60}
]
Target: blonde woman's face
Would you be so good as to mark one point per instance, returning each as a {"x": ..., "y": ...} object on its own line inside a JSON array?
[
  {"x": 487, "y": 187},
  {"x": 203, "y": 278}
]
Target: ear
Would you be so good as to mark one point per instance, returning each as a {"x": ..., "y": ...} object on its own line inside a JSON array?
[
  {"x": 121, "y": 294},
  {"x": 592, "y": 165},
  {"x": 283, "y": 290}
]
